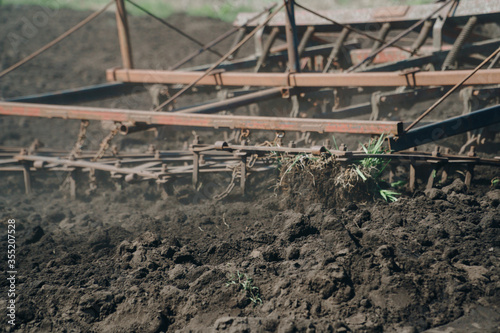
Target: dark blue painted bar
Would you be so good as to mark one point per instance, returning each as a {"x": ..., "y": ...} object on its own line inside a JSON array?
[
  {"x": 446, "y": 128},
  {"x": 83, "y": 94}
]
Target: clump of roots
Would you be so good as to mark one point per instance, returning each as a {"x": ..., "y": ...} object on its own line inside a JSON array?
[
  {"x": 305, "y": 179},
  {"x": 323, "y": 179}
]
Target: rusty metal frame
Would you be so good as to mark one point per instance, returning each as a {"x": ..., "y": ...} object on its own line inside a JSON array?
[
  {"x": 201, "y": 120},
  {"x": 167, "y": 166},
  {"x": 378, "y": 79}
]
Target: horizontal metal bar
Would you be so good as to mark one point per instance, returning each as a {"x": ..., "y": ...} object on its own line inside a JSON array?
[
  {"x": 251, "y": 61},
  {"x": 347, "y": 112},
  {"x": 396, "y": 98},
  {"x": 379, "y": 79},
  {"x": 386, "y": 100},
  {"x": 212, "y": 106},
  {"x": 224, "y": 146},
  {"x": 235, "y": 102},
  {"x": 390, "y": 54},
  {"x": 85, "y": 164},
  {"x": 12, "y": 169},
  {"x": 83, "y": 94},
  {"x": 201, "y": 120},
  {"x": 446, "y": 128},
  {"x": 436, "y": 58}
]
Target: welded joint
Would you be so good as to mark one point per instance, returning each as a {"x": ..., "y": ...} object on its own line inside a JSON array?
[
  {"x": 221, "y": 145},
  {"x": 410, "y": 73},
  {"x": 318, "y": 150},
  {"x": 285, "y": 92},
  {"x": 291, "y": 80},
  {"x": 111, "y": 74},
  {"x": 39, "y": 164},
  {"x": 217, "y": 74}
]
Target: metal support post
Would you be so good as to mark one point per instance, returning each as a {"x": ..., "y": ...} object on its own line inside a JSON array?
[
  {"x": 27, "y": 178},
  {"x": 336, "y": 49},
  {"x": 422, "y": 36},
  {"x": 430, "y": 180},
  {"x": 446, "y": 169},
  {"x": 196, "y": 168},
  {"x": 239, "y": 36},
  {"x": 435, "y": 169},
  {"x": 243, "y": 180},
  {"x": 123, "y": 35},
  {"x": 72, "y": 184},
  {"x": 469, "y": 175},
  {"x": 267, "y": 47},
  {"x": 386, "y": 27},
  {"x": 305, "y": 39},
  {"x": 413, "y": 173},
  {"x": 291, "y": 37}
]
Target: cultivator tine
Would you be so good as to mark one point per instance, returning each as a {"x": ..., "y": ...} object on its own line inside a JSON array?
[
  {"x": 223, "y": 157},
  {"x": 267, "y": 47},
  {"x": 27, "y": 178},
  {"x": 237, "y": 39},
  {"x": 384, "y": 31},
  {"x": 422, "y": 37},
  {"x": 305, "y": 39},
  {"x": 459, "y": 42},
  {"x": 72, "y": 184},
  {"x": 336, "y": 49}
]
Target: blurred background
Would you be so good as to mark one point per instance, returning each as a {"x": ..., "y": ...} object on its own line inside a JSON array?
[{"x": 225, "y": 10}]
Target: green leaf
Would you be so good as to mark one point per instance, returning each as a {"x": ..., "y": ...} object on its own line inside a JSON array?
[
  {"x": 398, "y": 183},
  {"x": 360, "y": 173},
  {"x": 365, "y": 149},
  {"x": 335, "y": 142},
  {"x": 389, "y": 195}
]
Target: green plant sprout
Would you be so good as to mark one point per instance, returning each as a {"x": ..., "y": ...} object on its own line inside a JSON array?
[
  {"x": 368, "y": 169},
  {"x": 495, "y": 181},
  {"x": 399, "y": 183},
  {"x": 389, "y": 196},
  {"x": 335, "y": 142},
  {"x": 372, "y": 167},
  {"x": 245, "y": 284}
]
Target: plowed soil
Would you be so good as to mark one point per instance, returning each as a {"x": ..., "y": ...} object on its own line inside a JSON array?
[{"x": 131, "y": 260}]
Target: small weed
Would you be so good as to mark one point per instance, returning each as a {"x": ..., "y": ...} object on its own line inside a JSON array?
[
  {"x": 360, "y": 178},
  {"x": 245, "y": 284},
  {"x": 372, "y": 168},
  {"x": 335, "y": 142},
  {"x": 399, "y": 183},
  {"x": 389, "y": 196},
  {"x": 495, "y": 182}
]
